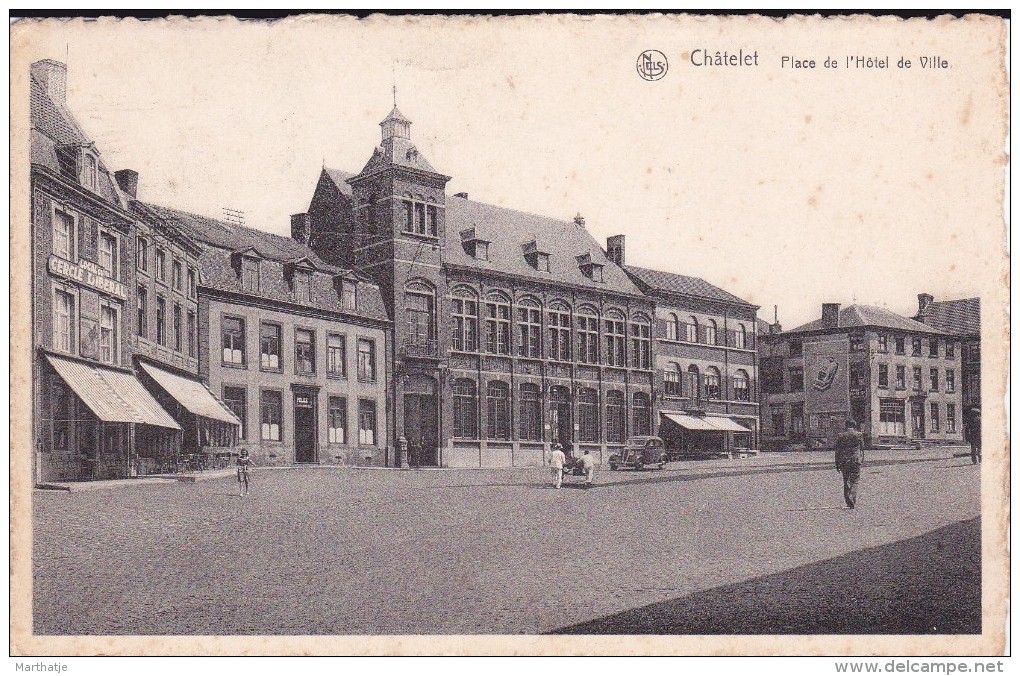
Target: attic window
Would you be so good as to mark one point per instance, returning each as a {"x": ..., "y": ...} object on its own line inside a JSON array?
[
  {"x": 302, "y": 286},
  {"x": 593, "y": 272},
  {"x": 90, "y": 171},
  {"x": 536, "y": 257},
  {"x": 542, "y": 262},
  {"x": 350, "y": 295},
  {"x": 475, "y": 246},
  {"x": 250, "y": 274}
]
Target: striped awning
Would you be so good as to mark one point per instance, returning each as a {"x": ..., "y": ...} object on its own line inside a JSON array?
[
  {"x": 708, "y": 423},
  {"x": 113, "y": 396},
  {"x": 192, "y": 395}
]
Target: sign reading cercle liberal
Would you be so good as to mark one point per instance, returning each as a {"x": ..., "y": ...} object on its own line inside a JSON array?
[{"x": 89, "y": 274}]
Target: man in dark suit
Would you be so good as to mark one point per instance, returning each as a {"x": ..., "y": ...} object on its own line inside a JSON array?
[{"x": 849, "y": 458}]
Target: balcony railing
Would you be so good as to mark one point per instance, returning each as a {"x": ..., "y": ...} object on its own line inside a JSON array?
[{"x": 421, "y": 349}]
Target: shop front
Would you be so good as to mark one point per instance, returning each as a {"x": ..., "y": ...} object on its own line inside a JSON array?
[{"x": 694, "y": 435}]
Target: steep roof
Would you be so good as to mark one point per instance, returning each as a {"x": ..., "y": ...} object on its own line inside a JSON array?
[
  {"x": 54, "y": 127},
  {"x": 958, "y": 317},
  {"x": 868, "y": 315},
  {"x": 339, "y": 179},
  {"x": 682, "y": 284},
  {"x": 400, "y": 152},
  {"x": 509, "y": 231},
  {"x": 235, "y": 237}
]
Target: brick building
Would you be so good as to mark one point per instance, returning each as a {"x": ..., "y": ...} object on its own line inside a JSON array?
[
  {"x": 92, "y": 415},
  {"x": 294, "y": 347},
  {"x": 706, "y": 366},
  {"x": 897, "y": 378}
]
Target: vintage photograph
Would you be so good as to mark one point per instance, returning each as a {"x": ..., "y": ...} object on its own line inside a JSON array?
[{"x": 450, "y": 327}]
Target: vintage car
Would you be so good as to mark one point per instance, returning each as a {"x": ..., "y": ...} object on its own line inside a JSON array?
[{"x": 640, "y": 452}]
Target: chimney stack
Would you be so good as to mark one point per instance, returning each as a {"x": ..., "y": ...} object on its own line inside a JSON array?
[
  {"x": 462, "y": 195},
  {"x": 579, "y": 220},
  {"x": 301, "y": 227},
  {"x": 775, "y": 328},
  {"x": 830, "y": 315},
  {"x": 924, "y": 301},
  {"x": 615, "y": 249},
  {"x": 53, "y": 76},
  {"x": 127, "y": 179}
]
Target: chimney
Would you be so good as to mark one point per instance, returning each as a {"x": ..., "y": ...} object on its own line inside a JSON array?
[
  {"x": 301, "y": 228},
  {"x": 830, "y": 315},
  {"x": 53, "y": 76},
  {"x": 579, "y": 220},
  {"x": 615, "y": 249},
  {"x": 462, "y": 195},
  {"x": 775, "y": 328},
  {"x": 127, "y": 179},
  {"x": 924, "y": 301}
]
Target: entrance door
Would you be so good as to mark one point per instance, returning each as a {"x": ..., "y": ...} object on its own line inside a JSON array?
[
  {"x": 305, "y": 437},
  {"x": 560, "y": 418},
  {"x": 917, "y": 418},
  {"x": 421, "y": 428}
]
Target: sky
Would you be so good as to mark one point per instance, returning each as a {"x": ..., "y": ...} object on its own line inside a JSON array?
[{"x": 786, "y": 187}]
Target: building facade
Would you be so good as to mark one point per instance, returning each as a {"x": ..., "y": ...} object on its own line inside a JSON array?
[
  {"x": 898, "y": 379},
  {"x": 706, "y": 365},
  {"x": 295, "y": 348}
]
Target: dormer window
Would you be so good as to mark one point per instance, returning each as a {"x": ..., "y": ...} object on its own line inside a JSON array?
[
  {"x": 542, "y": 262},
  {"x": 590, "y": 268},
  {"x": 302, "y": 286},
  {"x": 90, "y": 171},
  {"x": 474, "y": 245},
  {"x": 536, "y": 256},
  {"x": 250, "y": 274},
  {"x": 350, "y": 295}
]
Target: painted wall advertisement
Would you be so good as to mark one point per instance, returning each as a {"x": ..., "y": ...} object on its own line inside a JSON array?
[{"x": 826, "y": 387}]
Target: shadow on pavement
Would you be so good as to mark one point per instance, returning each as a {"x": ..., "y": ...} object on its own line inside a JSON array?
[{"x": 929, "y": 584}]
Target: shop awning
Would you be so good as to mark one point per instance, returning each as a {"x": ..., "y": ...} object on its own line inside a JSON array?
[
  {"x": 691, "y": 422},
  {"x": 112, "y": 395},
  {"x": 727, "y": 424},
  {"x": 192, "y": 395}
]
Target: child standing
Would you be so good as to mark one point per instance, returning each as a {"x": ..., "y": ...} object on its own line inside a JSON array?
[{"x": 243, "y": 465}]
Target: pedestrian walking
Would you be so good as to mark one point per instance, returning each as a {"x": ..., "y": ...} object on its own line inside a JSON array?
[
  {"x": 974, "y": 432},
  {"x": 849, "y": 458},
  {"x": 243, "y": 465},
  {"x": 556, "y": 460},
  {"x": 588, "y": 464}
]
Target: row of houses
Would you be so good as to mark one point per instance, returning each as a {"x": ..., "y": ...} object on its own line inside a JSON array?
[{"x": 396, "y": 321}]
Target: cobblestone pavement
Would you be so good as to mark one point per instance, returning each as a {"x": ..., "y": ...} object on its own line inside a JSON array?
[{"x": 344, "y": 551}]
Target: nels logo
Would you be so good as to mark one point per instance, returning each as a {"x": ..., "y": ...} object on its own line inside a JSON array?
[
  {"x": 825, "y": 375},
  {"x": 652, "y": 65}
]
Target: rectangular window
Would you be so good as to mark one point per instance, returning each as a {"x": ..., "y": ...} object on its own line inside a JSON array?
[
  {"x": 178, "y": 274},
  {"x": 615, "y": 342},
  {"x": 269, "y": 347},
  {"x": 883, "y": 342},
  {"x": 796, "y": 378},
  {"x": 233, "y": 341},
  {"x": 950, "y": 381},
  {"x": 640, "y": 346},
  {"x": 531, "y": 413},
  {"x": 336, "y": 355},
  {"x": 433, "y": 221},
  {"x": 90, "y": 172},
  {"x": 63, "y": 235},
  {"x": 142, "y": 324},
  {"x": 616, "y": 417},
  {"x": 62, "y": 418},
  {"x": 160, "y": 264},
  {"x": 64, "y": 321},
  {"x": 588, "y": 416},
  {"x": 917, "y": 378},
  {"x": 883, "y": 375},
  {"x": 192, "y": 283},
  {"x": 366, "y": 422},
  {"x": 901, "y": 377},
  {"x": 337, "y": 420},
  {"x": 529, "y": 330},
  {"x": 891, "y": 417},
  {"x": 950, "y": 350},
  {"x": 672, "y": 382},
  {"x": 797, "y": 419},
  {"x": 497, "y": 328},
  {"x": 302, "y": 284},
  {"x": 933, "y": 347},
  {"x": 366, "y": 360},
  {"x": 272, "y": 415},
  {"x": 542, "y": 262},
  {"x": 236, "y": 399},
  {"x": 559, "y": 335},
  {"x": 419, "y": 217},
  {"x": 350, "y": 295},
  {"x": 465, "y": 325},
  {"x": 796, "y": 348},
  {"x": 108, "y": 334},
  {"x": 933, "y": 376},
  {"x": 950, "y": 417},
  {"x": 192, "y": 334},
  {"x": 498, "y": 409},
  {"x": 178, "y": 329},
  {"x": 142, "y": 254},
  {"x": 108, "y": 254},
  {"x": 901, "y": 345},
  {"x": 915, "y": 346},
  {"x": 161, "y": 320},
  {"x": 250, "y": 275},
  {"x": 857, "y": 343},
  {"x": 304, "y": 351},
  {"x": 933, "y": 417}
]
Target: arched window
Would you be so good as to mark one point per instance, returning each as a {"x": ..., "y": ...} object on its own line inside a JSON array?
[
  {"x": 693, "y": 382},
  {"x": 616, "y": 336},
  {"x": 642, "y": 414},
  {"x": 497, "y": 323},
  {"x": 710, "y": 332},
  {"x": 559, "y": 332},
  {"x": 529, "y": 328},
  {"x": 498, "y": 399},
  {"x": 587, "y": 335},
  {"x": 588, "y": 415},
  {"x": 640, "y": 343},
  {"x": 616, "y": 422},
  {"x": 672, "y": 327},
  {"x": 419, "y": 305},
  {"x": 740, "y": 336},
  {"x": 692, "y": 330},
  {"x": 465, "y": 409},
  {"x": 712, "y": 383},
  {"x": 741, "y": 386},
  {"x": 671, "y": 383},
  {"x": 531, "y": 412},
  {"x": 465, "y": 321}
]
